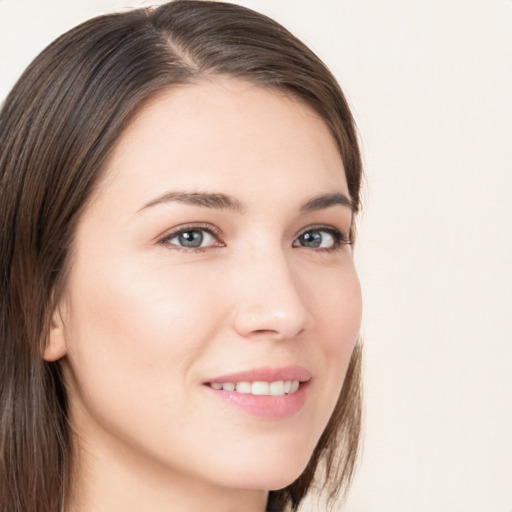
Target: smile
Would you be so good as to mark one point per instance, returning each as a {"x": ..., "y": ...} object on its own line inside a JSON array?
[
  {"x": 276, "y": 388},
  {"x": 264, "y": 392}
]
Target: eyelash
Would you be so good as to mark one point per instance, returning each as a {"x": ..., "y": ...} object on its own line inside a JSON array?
[{"x": 338, "y": 237}]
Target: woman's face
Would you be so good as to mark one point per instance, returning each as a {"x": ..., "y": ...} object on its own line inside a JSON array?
[{"x": 212, "y": 252}]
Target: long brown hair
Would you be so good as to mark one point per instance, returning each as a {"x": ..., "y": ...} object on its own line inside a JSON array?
[{"x": 57, "y": 128}]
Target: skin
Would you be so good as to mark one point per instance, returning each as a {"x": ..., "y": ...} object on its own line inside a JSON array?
[{"x": 144, "y": 322}]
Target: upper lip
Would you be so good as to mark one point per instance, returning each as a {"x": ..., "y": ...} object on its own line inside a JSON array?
[{"x": 265, "y": 374}]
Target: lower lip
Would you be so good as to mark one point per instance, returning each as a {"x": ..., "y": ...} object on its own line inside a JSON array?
[{"x": 265, "y": 406}]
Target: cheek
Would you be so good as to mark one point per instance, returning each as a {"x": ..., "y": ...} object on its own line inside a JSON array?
[
  {"x": 141, "y": 306},
  {"x": 137, "y": 329},
  {"x": 338, "y": 312},
  {"x": 337, "y": 309}
]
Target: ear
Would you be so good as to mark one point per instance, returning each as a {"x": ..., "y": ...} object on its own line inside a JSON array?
[{"x": 57, "y": 344}]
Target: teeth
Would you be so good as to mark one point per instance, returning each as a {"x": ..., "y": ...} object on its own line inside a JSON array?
[
  {"x": 277, "y": 388},
  {"x": 243, "y": 387},
  {"x": 260, "y": 388}
]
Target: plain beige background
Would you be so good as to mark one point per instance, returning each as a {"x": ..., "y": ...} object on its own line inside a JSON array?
[{"x": 430, "y": 84}]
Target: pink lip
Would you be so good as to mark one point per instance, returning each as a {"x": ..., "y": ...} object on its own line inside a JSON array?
[
  {"x": 262, "y": 406},
  {"x": 265, "y": 374}
]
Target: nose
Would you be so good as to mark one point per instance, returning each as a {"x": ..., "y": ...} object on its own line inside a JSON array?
[{"x": 269, "y": 303}]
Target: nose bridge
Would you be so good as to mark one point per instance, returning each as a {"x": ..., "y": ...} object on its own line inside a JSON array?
[{"x": 269, "y": 300}]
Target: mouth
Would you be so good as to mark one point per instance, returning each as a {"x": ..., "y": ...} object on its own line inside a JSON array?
[{"x": 264, "y": 392}]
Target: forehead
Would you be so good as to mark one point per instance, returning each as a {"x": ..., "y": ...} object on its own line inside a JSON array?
[{"x": 226, "y": 134}]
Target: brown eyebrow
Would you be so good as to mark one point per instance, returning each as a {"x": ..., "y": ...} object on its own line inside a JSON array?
[
  {"x": 203, "y": 199},
  {"x": 326, "y": 201}
]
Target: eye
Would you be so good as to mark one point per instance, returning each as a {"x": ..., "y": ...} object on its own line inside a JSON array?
[
  {"x": 320, "y": 238},
  {"x": 192, "y": 237}
]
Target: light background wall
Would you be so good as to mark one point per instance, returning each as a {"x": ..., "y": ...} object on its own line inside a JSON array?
[{"x": 430, "y": 84}]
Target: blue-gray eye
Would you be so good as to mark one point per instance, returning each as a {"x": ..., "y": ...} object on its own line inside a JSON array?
[
  {"x": 192, "y": 238},
  {"x": 318, "y": 239}
]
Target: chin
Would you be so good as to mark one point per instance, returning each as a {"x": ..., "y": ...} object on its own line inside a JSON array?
[
  {"x": 270, "y": 482},
  {"x": 275, "y": 473}
]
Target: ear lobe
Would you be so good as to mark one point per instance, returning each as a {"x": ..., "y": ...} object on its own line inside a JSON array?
[{"x": 57, "y": 345}]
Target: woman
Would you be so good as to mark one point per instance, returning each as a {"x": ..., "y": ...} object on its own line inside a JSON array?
[{"x": 179, "y": 305}]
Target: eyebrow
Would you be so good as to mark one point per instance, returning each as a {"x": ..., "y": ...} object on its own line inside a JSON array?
[
  {"x": 225, "y": 202},
  {"x": 204, "y": 199},
  {"x": 326, "y": 201}
]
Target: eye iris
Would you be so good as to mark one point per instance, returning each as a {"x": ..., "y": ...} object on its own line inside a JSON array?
[
  {"x": 311, "y": 239},
  {"x": 191, "y": 238}
]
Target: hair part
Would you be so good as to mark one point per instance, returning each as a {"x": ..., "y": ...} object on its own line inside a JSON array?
[{"x": 58, "y": 127}]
